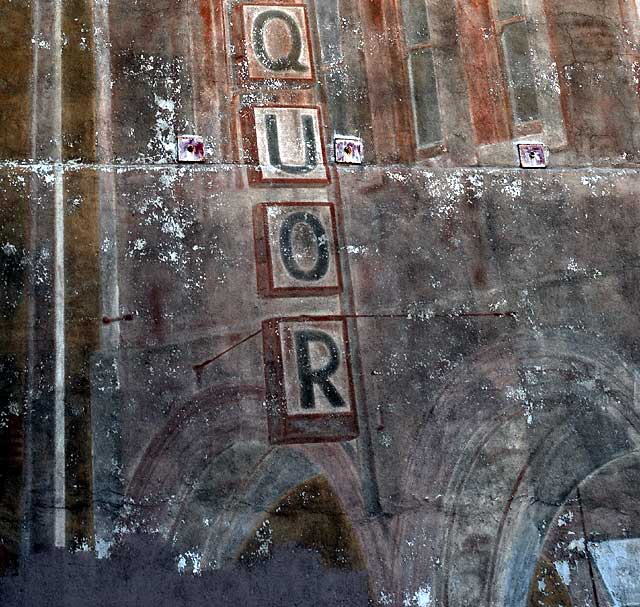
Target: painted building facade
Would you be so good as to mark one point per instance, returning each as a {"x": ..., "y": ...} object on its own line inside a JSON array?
[{"x": 423, "y": 368}]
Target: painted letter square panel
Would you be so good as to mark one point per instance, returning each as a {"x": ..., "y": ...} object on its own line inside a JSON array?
[
  {"x": 276, "y": 44},
  {"x": 285, "y": 144},
  {"x": 296, "y": 250},
  {"x": 309, "y": 380}
]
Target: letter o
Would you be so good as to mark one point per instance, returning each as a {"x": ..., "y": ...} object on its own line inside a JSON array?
[{"x": 321, "y": 266}]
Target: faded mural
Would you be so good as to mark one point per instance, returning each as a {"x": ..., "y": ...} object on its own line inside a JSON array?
[{"x": 397, "y": 369}]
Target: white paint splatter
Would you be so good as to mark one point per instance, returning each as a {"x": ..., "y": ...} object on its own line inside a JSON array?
[
  {"x": 420, "y": 598},
  {"x": 420, "y": 311},
  {"x": 103, "y": 547},
  {"x": 165, "y": 119},
  {"x": 512, "y": 187},
  {"x": 565, "y": 519},
  {"x": 577, "y": 545},
  {"x": 9, "y": 249},
  {"x": 190, "y": 556},
  {"x": 399, "y": 177},
  {"x": 562, "y": 567},
  {"x": 572, "y": 266}
]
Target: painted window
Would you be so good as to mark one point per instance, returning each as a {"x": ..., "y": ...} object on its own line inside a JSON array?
[
  {"x": 511, "y": 75},
  {"x": 473, "y": 77},
  {"x": 516, "y": 52},
  {"x": 418, "y": 51},
  {"x": 630, "y": 10}
]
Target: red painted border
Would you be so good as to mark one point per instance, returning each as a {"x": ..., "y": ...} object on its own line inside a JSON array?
[
  {"x": 250, "y": 147},
  {"x": 288, "y": 429},
  {"x": 264, "y": 261}
]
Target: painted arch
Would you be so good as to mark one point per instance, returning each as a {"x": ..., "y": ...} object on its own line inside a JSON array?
[
  {"x": 209, "y": 478},
  {"x": 498, "y": 454}
]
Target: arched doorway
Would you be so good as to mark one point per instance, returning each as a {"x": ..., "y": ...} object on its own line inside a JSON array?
[
  {"x": 310, "y": 517},
  {"x": 210, "y": 479},
  {"x": 591, "y": 552},
  {"x": 519, "y": 429}
]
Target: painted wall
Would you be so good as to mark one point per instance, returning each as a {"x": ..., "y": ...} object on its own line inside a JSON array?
[{"x": 421, "y": 371}]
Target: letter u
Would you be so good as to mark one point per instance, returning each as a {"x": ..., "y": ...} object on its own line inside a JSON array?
[{"x": 310, "y": 148}]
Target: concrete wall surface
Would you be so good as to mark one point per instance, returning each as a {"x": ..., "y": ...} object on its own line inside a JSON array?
[{"x": 267, "y": 377}]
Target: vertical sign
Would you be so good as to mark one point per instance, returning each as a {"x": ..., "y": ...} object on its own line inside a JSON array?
[
  {"x": 282, "y": 143},
  {"x": 308, "y": 374}
]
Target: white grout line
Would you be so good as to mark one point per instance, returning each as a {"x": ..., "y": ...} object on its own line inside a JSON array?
[
  {"x": 218, "y": 167},
  {"x": 60, "y": 447},
  {"x": 59, "y": 477}
]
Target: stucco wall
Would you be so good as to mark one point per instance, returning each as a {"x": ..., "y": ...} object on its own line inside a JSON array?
[{"x": 485, "y": 450}]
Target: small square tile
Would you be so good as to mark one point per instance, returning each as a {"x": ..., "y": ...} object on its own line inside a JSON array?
[
  {"x": 348, "y": 150},
  {"x": 190, "y": 148},
  {"x": 532, "y": 155}
]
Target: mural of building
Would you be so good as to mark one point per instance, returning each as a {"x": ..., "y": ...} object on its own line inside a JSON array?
[{"x": 423, "y": 369}]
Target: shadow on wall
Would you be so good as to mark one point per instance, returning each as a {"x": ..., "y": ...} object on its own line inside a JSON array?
[{"x": 144, "y": 571}]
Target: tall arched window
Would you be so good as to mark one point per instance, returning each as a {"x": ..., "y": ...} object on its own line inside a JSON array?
[
  {"x": 516, "y": 53},
  {"x": 418, "y": 53},
  {"x": 461, "y": 80},
  {"x": 512, "y": 79}
]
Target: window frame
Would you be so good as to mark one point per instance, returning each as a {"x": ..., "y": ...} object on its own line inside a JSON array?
[
  {"x": 437, "y": 148},
  {"x": 500, "y": 25},
  {"x": 492, "y": 118}
]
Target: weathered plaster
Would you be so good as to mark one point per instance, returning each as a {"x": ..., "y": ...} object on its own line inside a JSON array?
[{"x": 491, "y": 312}]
